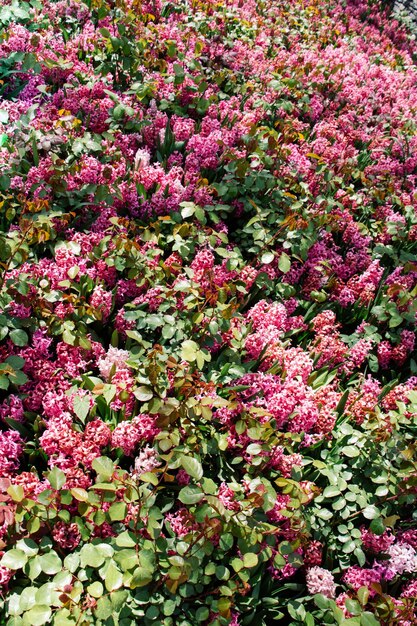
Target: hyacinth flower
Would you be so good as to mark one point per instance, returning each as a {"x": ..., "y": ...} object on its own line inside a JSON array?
[{"x": 208, "y": 379}]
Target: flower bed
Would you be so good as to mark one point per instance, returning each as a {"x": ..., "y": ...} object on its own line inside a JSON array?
[{"x": 208, "y": 293}]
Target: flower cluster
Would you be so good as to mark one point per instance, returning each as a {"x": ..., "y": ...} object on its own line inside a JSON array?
[{"x": 208, "y": 378}]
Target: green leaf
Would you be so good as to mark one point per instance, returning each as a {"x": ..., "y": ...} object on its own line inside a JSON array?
[
  {"x": 104, "y": 608},
  {"x": 72, "y": 562},
  {"x": 91, "y": 556},
  {"x": 19, "y": 337},
  {"x": 28, "y": 546},
  {"x": 113, "y": 578},
  {"x": 350, "y": 451},
  {"x": 226, "y": 542},
  {"x": 50, "y": 562},
  {"x": 125, "y": 540},
  {"x": 109, "y": 391},
  {"x": 18, "y": 378},
  {"x": 377, "y": 526},
  {"x": 250, "y": 559},
  {"x": 188, "y": 209},
  {"x": 4, "y": 116},
  {"x": 56, "y": 478},
  {"x": 81, "y": 406},
  {"x": 353, "y": 606},
  {"x": 4, "y": 382},
  {"x": 16, "y": 492},
  {"x": 309, "y": 620},
  {"x": 15, "y": 361},
  {"x": 321, "y": 601},
  {"x": 368, "y": 619},
  {"x": 14, "y": 559},
  {"x": 149, "y": 477},
  {"x": 103, "y": 466},
  {"x": 284, "y": 263},
  {"x": 169, "y": 607},
  {"x": 33, "y": 569},
  {"x": 118, "y": 599},
  {"x": 363, "y": 595},
  {"x": 190, "y": 495},
  {"x": 267, "y": 258},
  {"x": 96, "y": 589},
  {"x": 79, "y": 494},
  {"x": 192, "y": 466},
  {"x": 141, "y": 577},
  {"x": 237, "y": 564},
  {"x": 371, "y": 512},
  {"x": 179, "y": 72},
  {"x": 202, "y": 614},
  {"x": 143, "y": 394},
  {"x": 189, "y": 350},
  {"x": 331, "y": 492},
  {"x": 117, "y": 511},
  {"x": 39, "y": 615},
  {"x": 127, "y": 558}
]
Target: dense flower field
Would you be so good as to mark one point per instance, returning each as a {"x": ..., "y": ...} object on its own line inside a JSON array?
[{"x": 208, "y": 294}]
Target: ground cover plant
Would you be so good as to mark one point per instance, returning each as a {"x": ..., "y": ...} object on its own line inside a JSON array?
[{"x": 208, "y": 294}]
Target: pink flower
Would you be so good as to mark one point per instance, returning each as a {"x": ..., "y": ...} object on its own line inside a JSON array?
[
  {"x": 376, "y": 543},
  {"x": 12, "y": 407},
  {"x": 115, "y": 360},
  {"x": 228, "y": 498},
  {"x": 146, "y": 461},
  {"x": 320, "y": 580},
  {"x": 357, "y": 577},
  {"x": 128, "y": 434},
  {"x": 97, "y": 433},
  {"x": 403, "y": 558},
  {"x": 181, "y": 522},
  {"x": 102, "y": 301},
  {"x": 276, "y": 514},
  {"x": 11, "y": 448},
  {"x": 67, "y": 536},
  {"x": 5, "y": 575},
  {"x": 313, "y": 553}
]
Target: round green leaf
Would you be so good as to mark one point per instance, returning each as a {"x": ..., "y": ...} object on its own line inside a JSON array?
[
  {"x": 113, "y": 578},
  {"x": 284, "y": 263},
  {"x": 190, "y": 495},
  {"x": 250, "y": 559},
  {"x": 39, "y": 615},
  {"x": 96, "y": 589},
  {"x": 19, "y": 337},
  {"x": 371, "y": 512},
  {"x": 14, "y": 559},
  {"x": 189, "y": 351},
  {"x": 50, "y": 563},
  {"x": 192, "y": 466}
]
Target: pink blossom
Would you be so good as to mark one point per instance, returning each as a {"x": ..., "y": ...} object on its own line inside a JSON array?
[
  {"x": 128, "y": 434},
  {"x": 227, "y": 497},
  {"x": 146, "y": 461},
  {"x": 11, "y": 448},
  {"x": 115, "y": 358},
  {"x": 67, "y": 536},
  {"x": 320, "y": 580}
]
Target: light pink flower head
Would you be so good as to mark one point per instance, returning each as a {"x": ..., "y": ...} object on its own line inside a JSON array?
[{"x": 320, "y": 580}]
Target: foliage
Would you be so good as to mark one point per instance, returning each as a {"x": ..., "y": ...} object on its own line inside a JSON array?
[{"x": 208, "y": 389}]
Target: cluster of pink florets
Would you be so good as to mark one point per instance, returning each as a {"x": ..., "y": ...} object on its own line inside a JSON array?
[{"x": 109, "y": 171}]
